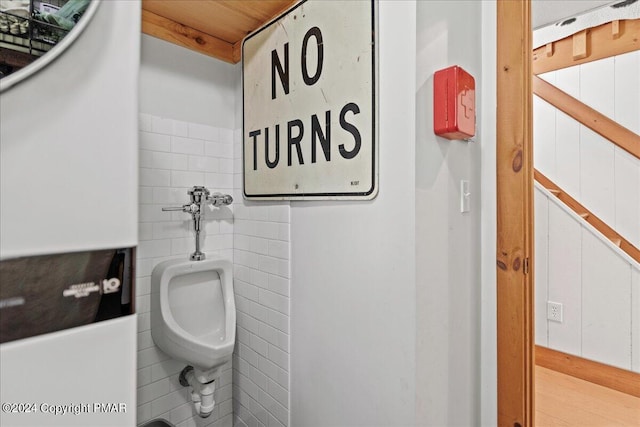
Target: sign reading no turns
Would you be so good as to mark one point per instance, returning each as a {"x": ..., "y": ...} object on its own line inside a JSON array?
[{"x": 309, "y": 128}]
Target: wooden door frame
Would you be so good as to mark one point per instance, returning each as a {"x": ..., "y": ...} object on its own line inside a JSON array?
[{"x": 514, "y": 186}]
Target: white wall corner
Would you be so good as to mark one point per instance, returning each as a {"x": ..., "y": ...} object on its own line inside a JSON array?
[{"x": 488, "y": 353}]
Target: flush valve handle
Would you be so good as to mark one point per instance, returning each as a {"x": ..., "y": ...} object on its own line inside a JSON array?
[{"x": 191, "y": 208}]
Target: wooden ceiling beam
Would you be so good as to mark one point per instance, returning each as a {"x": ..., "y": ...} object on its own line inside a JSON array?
[
  {"x": 211, "y": 27},
  {"x": 604, "y": 41},
  {"x": 237, "y": 51},
  {"x": 181, "y": 35}
]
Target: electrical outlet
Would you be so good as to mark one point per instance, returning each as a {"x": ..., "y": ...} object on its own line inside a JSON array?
[{"x": 554, "y": 311}]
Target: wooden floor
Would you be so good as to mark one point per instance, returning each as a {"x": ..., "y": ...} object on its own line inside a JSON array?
[{"x": 563, "y": 400}]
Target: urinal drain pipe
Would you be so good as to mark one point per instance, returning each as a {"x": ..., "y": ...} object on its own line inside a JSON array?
[{"x": 201, "y": 393}]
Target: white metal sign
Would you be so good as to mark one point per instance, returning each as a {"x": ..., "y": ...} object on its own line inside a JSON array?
[{"x": 309, "y": 128}]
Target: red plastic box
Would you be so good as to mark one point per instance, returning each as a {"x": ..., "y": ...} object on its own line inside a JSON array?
[{"x": 454, "y": 103}]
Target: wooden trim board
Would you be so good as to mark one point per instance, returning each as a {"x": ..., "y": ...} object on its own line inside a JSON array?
[
  {"x": 613, "y": 38},
  {"x": 212, "y": 27},
  {"x": 598, "y": 373},
  {"x": 176, "y": 33},
  {"x": 514, "y": 168},
  {"x": 588, "y": 216},
  {"x": 594, "y": 120}
]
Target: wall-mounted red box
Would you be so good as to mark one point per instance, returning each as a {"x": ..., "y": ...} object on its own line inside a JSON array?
[{"x": 454, "y": 103}]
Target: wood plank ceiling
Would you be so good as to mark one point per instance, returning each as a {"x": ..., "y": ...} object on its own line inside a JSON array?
[{"x": 212, "y": 27}]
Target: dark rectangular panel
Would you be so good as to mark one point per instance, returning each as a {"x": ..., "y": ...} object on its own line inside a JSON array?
[{"x": 48, "y": 293}]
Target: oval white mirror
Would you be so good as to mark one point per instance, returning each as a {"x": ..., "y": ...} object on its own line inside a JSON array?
[{"x": 33, "y": 33}]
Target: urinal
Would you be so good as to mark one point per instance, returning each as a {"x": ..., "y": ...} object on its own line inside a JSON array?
[{"x": 193, "y": 319}]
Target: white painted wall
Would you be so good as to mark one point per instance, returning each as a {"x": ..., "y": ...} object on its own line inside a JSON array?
[
  {"x": 447, "y": 241},
  {"x": 600, "y": 175},
  {"x": 488, "y": 202},
  {"x": 183, "y": 85},
  {"x": 68, "y": 150},
  {"x": 353, "y": 317},
  {"x": 356, "y": 310},
  {"x": 574, "y": 265},
  {"x": 595, "y": 282}
]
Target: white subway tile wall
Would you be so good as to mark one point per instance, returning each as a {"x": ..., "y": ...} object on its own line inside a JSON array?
[
  {"x": 175, "y": 156},
  {"x": 261, "y": 248}
]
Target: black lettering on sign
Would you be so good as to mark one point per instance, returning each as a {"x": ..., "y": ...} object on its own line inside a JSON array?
[
  {"x": 310, "y": 80},
  {"x": 325, "y": 138},
  {"x": 283, "y": 72},
  {"x": 269, "y": 163},
  {"x": 254, "y": 134},
  {"x": 319, "y": 136},
  {"x": 295, "y": 140},
  {"x": 353, "y": 107}
]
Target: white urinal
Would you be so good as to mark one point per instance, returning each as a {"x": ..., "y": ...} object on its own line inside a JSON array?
[{"x": 193, "y": 313}]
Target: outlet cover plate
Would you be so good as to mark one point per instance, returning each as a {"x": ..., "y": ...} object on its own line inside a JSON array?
[{"x": 554, "y": 311}]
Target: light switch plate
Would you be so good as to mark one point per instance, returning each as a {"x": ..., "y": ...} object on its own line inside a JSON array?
[{"x": 465, "y": 196}]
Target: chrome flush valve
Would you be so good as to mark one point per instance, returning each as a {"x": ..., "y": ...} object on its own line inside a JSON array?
[{"x": 200, "y": 195}]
